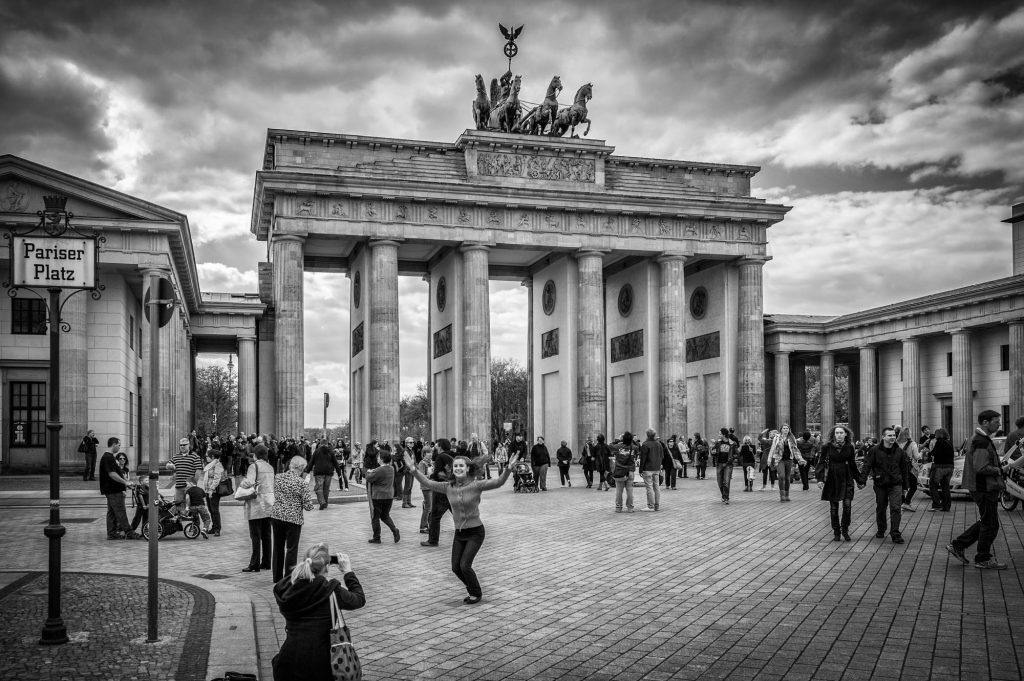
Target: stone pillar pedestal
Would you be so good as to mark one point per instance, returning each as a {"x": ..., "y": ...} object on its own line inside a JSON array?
[
  {"x": 671, "y": 348},
  {"x": 912, "y": 386},
  {"x": 382, "y": 295},
  {"x": 827, "y": 392},
  {"x": 750, "y": 367},
  {"x": 963, "y": 393},
  {"x": 476, "y": 343},
  {"x": 74, "y": 384},
  {"x": 287, "y": 260},
  {"x": 590, "y": 362},
  {"x": 798, "y": 395},
  {"x": 869, "y": 391},
  {"x": 1016, "y": 372},
  {"x": 247, "y": 384},
  {"x": 782, "y": 393}
]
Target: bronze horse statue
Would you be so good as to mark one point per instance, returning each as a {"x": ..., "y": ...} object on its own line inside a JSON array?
[
  {"x": 505, "y": 115},
  {"x": 576, "y": 114},
  {"x": 481, "y": 105},
  {"x": 542, "y": 116}
]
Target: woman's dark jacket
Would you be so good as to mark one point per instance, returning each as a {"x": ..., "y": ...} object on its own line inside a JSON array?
[
  {"x": 837, "y": 467},
  {"x": 539, "y": 455},
  {"x": 942, "y": 453},
  {"x": 602, "y": 453},
  {"x": 306, "y": 606}
]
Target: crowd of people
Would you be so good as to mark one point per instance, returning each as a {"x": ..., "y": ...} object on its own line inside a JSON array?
[{"x": 280, "y": 480}]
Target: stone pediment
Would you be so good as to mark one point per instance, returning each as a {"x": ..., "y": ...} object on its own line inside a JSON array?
[{"x": 23, "y": 184}]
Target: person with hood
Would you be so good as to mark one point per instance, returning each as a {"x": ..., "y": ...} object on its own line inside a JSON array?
[
  {"x": 304, "y": 599},
  {"x": 784, "y": 451},
  {"x": 836, "y": 474},
  {"x": 540, "y": 459}
]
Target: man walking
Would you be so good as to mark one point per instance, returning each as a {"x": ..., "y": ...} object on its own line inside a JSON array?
[
  {"x": 650, "y": 467},
  {"x": 983, "y": 476},
  {"x": 886, "y": 464},
  {"x": 725, "y": 454}
]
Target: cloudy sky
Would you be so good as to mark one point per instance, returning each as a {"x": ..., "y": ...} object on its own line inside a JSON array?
[{"x": 894, "y": 129}]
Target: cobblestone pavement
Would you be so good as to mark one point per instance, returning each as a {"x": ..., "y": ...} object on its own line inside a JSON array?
[
  {"x": 753, "y": 590},
  {"x": 106, "y": 620}
]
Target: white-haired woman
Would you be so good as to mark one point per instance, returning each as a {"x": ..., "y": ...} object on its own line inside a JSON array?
[
  {"x": 291, "y": 496},
  {"x": 836, "y": 474},
  {"x": 782, "y": 455},
  {"x": 304, "y": 598}
]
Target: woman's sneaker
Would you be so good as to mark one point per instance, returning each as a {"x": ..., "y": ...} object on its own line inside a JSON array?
[{"x": 990, "y": 564}]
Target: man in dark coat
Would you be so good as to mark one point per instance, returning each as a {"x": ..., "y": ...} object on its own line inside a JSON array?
[
  {"x": 889, "y": 467},
  {"x": 540, "y": 459}
]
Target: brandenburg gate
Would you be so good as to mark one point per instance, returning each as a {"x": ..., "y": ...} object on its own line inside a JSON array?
[{"x": 644, "y": 279}]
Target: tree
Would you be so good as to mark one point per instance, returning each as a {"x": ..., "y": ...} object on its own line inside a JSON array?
[
  {"x": 509, "y": 393},
  {"x": 414, "y": 414},
  {"x": 841, "y": 390},
  {"x": 216, "y": 401}
]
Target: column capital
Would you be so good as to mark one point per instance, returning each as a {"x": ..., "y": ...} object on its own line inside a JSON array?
[
  {"x": 962, "y": 331},
  {"x": 779, "y": 353},
  {"x": 672, "y": 257},
  {"x": 152, "y": 271},
  {"x": 753, "y": 260},
  {"x": 466, "y": 248},
  {"x": 827, "y": 353},
  {"x": 910, "y": 339},
  {"x": 528, "y": 282},
  {"x": 867, "y": 346},
  {"x": 589, "y": 253},
  {"x": 301, "y": 238},
  {"x": 374, "y": 243},
  {"x": 246, "y": 337},
  {"x": 1015, "y": 322}
]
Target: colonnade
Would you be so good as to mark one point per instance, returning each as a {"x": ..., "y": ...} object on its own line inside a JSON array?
[{"x": 790, "y": 387}]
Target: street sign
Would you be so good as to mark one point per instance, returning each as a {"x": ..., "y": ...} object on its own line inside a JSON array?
[
  {"x": 53, "y": 262},
  {"x": 165, "y": 291}
]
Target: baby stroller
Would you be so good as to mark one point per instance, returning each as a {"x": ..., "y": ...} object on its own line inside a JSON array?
[
  {"x": 172, "y": 519},
  {"x": 523, "y": 480}
]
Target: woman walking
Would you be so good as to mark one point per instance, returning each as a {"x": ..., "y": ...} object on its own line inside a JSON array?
[
  {"x": 942, "y": 471},
  {"x": 602, "y": 463},
  {"x": 463, "y": 494},
  {"x": 748, "y": 459},
  {"x": 304, "y": 598},
  {"x": 783, "y": 453},
  {"x": 258, "y": 509},
  {"x": 291, "y": 497},
  {"x": 703, "y": 452},
  {"x": 836, "y": 472}
]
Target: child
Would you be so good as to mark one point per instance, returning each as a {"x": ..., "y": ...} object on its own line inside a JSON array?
[{"x": 195, "y": 497}]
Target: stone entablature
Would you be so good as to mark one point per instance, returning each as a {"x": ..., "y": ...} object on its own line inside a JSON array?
[
  {"x": 556, "y": 185},
  {"x": 993, "y": 302}
]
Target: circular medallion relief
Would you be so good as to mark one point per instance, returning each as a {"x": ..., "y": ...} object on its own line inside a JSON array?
[
  {"x": 442, "y": 294},
  {"x": 625, "y": 300},
  {"x": 357, "y": 289},
  {"x": 699, "y": 303},
  {"x": 548, "y": 297}
]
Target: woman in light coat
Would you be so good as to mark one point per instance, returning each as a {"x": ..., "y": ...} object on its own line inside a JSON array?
[
  {"x": 909, "y": 447},
  {"x": 213, "y": 473},
  {"x": 783, "y": 453},
  {"x": 258, "y": 510}
]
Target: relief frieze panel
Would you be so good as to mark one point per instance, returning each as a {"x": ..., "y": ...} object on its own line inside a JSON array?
[
  {"x": 702, "y": 347},
  {"x": 578, "y": 170}
]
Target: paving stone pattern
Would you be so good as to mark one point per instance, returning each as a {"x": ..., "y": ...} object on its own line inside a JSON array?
[
  {"x": 753, "y": 590},
  {"x": 106, "y": 620}
]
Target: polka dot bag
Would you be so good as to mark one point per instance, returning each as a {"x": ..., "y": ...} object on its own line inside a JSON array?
[{"x": 344, "y": 659}]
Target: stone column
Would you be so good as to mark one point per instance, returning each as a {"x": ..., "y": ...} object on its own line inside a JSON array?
[
  {"x": 247, "y": 384},
  {"x": 74, "y": 384},
  {"x": 671, "y": 347},
  {"x": 853, "y": 397},
  {"x": 1016, "y": 372},
  {"x": 963, "y": 384},
  {"x": 430, "y": 363},
  {"x": 868, "y": 406},
  {"x": 382, "y": 338},
  {"x": 782, "y": 404},
  {"x": 529, "y": 436},
  {"x": 750, "y": 367},
  {"x": 798, "y": 395},
  {"x": 912, "y": 386},
  {"x": 590, "y": 368},
  {"x": 286, "y": 254},
  {"x": 827, "y": 392},
  {"x": 476, "y": 343}
]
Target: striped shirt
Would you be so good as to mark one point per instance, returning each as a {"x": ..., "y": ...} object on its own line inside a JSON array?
[{"x": 185, "y": 466}]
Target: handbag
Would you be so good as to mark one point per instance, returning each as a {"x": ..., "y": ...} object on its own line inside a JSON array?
[
  {"x": 344, "y": 659},
  {"x": 247, "y": 493},
  {"x": 224, "y": 488}
]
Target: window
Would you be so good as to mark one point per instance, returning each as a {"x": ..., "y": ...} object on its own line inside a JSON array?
[
  {"x": 1004, "y": 357},
  {"x": 28, "y": 414},
  {"x": 949, "y": 363},
  {"x": 28, "y": 316},
  {"x": 131, "y": 332}
]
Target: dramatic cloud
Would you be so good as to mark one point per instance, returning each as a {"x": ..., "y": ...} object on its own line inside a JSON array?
[{"x": 890, "y": 126}]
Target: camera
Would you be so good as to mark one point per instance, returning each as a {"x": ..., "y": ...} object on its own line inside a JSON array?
[{"x": 334, "y": 560}]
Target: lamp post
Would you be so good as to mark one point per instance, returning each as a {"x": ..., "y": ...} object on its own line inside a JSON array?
[{"x": 54, "y": 256}]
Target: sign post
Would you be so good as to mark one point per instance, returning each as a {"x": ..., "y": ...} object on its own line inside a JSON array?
[{"x": 54, "y": 256}]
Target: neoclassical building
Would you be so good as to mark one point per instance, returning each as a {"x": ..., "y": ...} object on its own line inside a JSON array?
[{"x": 644, "y": 304}]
